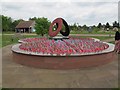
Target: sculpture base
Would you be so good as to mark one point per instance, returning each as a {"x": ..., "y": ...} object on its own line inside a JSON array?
[{"x": 58, "y": 38}]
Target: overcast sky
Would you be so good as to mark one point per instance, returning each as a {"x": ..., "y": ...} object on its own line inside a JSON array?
[{"x": 79, "y": 11}]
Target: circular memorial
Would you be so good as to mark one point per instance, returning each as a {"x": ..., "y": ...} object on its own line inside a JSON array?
[{"x": 71, "y": 53}]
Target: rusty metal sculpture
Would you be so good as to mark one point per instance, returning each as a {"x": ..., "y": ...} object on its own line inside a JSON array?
[
  {"x": 67, "y": 30},
  {"x": 59, "y": 22}
]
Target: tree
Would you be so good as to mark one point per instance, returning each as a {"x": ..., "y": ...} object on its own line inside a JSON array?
[
  {"x": 0, "y": 23},
  {"x": 79, "y": 27},
  {"x": 6, "y": 23},
  {"x": 115, "y": 24},
  {"x": 71, "y": 27},
  {"x": 107, "y": 26},
  {"x": 34, "y": 18},
  {"x": 84, "y": 27},
  {"x": 42, "y": 26},
  {"x": 74, "y": 27},
  {"x": 99, "y": 25}
]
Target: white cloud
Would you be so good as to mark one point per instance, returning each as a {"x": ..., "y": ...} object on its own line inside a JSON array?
[
  {"x": 81, "y": 12},
  {"x": 61, "y": 1}
]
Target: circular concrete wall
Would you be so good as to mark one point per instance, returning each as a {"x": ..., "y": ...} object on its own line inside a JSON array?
[
  {"x": 66, "y": 62},
  {"x": 74, "y": 61}
]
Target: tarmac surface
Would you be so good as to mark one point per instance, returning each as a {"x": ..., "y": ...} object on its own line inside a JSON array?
[{"x": 18, "y": 76}]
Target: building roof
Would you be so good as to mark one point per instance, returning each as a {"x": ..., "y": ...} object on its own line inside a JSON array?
[{"x": 25, "y": 24}]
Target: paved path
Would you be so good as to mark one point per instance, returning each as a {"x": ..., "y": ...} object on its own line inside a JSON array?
[{"x": 18, "y": 76}]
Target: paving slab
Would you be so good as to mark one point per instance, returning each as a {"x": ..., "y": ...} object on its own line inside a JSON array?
[{"x": 18, "y": 76}]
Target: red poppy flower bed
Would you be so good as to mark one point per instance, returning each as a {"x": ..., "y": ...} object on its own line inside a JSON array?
[
  {"x": 62, "y": 47},
  {"x": 72, "y": 53}
]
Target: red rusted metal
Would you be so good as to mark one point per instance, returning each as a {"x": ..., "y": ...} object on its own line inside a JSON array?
[{"x": 56, "y": 21}]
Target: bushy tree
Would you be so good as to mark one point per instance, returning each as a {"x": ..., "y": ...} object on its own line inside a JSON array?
[
  {"x": 6, "y": 23},
  {"x": 85, "y": 27},
  {"x": 0, "y": 23},
  {"x": 99, "y": 25},
  {"x": 34, "y": 19},
  {"x": 107, "y": 26},
  {"x": 115, "y": 24},
  {"x": 75, "y": 26},
  {"x": 42, "y": 26}
]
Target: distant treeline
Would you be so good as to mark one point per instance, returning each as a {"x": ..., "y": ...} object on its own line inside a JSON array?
[{"x": 9, "y": 24}]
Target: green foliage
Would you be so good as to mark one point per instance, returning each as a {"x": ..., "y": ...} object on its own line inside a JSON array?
[
  {"x": 42, "y": 26},
  {"x": 75, "y": 27},
  {"x": 0, "y": 41},
  {"x": 34, "y": 18},
  {"x": 63, "y": 28},
  {"x": 84, "y": 27},
  {"x": 0, "y": 23},
  {"x": 116, "y": 89},
  {"x": 95, "y": 29},
  {"x": 99, "y": 25},
  {"x": 7, "y": 39},
  {"x": 115, "y": 24},
  {"x": 107, "y": 25},
  {"x": 90, "y": 29},
  {"x": 6, "y": 23}
]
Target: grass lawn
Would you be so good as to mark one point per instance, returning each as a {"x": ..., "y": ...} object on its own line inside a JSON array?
[
  {"x": 98, "y": 37},
  {"x": 8, "y": 32},
  {"x": 94, "y": 32},
  {"x": 0, "y": 40},
  {"x": 7, "y": 39},
  {"x": 76, "y": 32}
]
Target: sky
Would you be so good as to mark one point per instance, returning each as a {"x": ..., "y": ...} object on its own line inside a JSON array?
[{"x": 73, "y": 11}]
